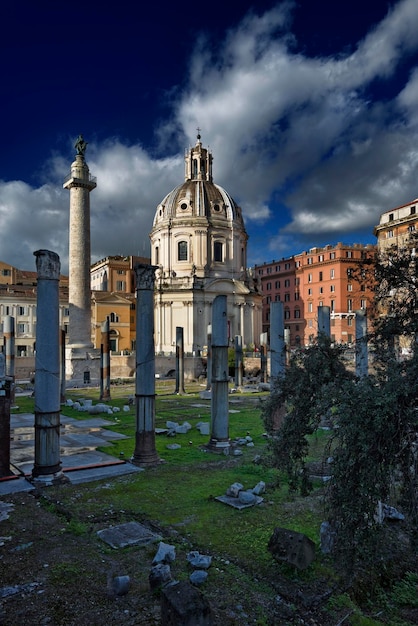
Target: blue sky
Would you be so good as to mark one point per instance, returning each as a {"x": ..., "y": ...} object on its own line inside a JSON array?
[{"x": 310, "y": 110}]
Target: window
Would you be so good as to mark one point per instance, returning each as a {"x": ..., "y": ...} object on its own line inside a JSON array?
[
  {"x": 260, "y": 272},
  {"x": 310, "y": 324},
  {"x": 349, "y": 321},
  {"x": 309, "y": 278},
  {"x": 363, "y": 304},
  {"x": 332, "y": 255},
  {"x": 120, "y": 285},
  {"x": 349, "y": 305},
  {"x": 349, "y": 338},
  {"x": 349, "y": 287},
  {"x": 390, "y": 217},
  {"x": 268, "y": 299},
  {"x": 332, "y": 306},
  {"x": 277, "y": 298},
  {"x": 277, "y": 268},
  {"x": 269, "y": 270},
  {"x": 332, "y": 273},
  {"x": 287, "y": 266},
  {"x": 332, "y": 288},
  {"x": 21, "y": 328},
  {"x": 21, "y": 310},
  {"x": 113, "y": 317},
  {"x": 182, "y": 250},
  {"x": 321, "y": 290},
  {"x": 309, "y": 291},
  {"x": 297, "y": 295},
  {"x": 268, "y": 286},
  {"x": 320, "y": 303},
  {"x": 297, "y": 314},
  {"x": 310, "y": 260},
  {"x": 349, "y": 254},
  {"x": 349, "y": 272},
  {"x": 320, "y": 258},
  {"x": 157, "y": 255},
  {"x": 287, "y": 282},
  {"x": 66, "y": 312},
  {"x": 413, "y": 210},
  {"x": 389, "y": 234},
  {"x": 411, "y": 228},
  {"x": 6, "y": 272},
  {"x": 320, "y": 276},
  {"x": 277, "y": 284},
  {"x": 217, "y": 252},
  {"x": 121, "y": 272},
  {"x": 287, "y": 297},
  {"x": 286, "y": 314},
  {"x": 310, "y": 307},
  {"x": 297, "y": 281}
]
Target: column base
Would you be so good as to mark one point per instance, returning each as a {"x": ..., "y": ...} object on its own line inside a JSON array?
[
  {"x": 220, "y": 446},
  {"x": 49, "y": 480}
]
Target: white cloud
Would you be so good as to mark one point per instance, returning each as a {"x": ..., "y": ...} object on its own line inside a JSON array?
[{"x": 284, "y": 129}]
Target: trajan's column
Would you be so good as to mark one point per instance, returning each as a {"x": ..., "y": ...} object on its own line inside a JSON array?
[{"x": 82, "y": 362}]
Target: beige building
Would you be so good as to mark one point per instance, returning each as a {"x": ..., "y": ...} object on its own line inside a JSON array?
[
  {"x": 199, "y": 245},
  {"x": 396, "y": 226}
]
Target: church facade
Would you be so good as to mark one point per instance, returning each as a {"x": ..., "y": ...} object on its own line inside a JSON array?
[{"x": 199, "y": 247}]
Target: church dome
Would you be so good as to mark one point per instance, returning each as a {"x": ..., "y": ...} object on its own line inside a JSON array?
[
  {"x": 199, "y": 196},
  {"x": 198, "y": 227}
]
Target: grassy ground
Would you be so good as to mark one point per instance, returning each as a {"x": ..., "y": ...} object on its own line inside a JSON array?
[{"x": 50, "y": 537}]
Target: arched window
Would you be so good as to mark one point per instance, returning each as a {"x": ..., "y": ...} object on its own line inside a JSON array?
[
  {"x": 157, "y": 255},
  {"x": 182, "y": 251},
  {"x": 218, "y": 251},
  {"x": 113, "y": 318}
]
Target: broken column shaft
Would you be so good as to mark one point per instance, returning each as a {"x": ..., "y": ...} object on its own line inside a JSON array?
[
  {"x": 105, "y": 362},
  {"x": 47, "y": 465},
  {"x": 277, "y": 341},
  {"x": 219, "y": 440},
  {"x": 145, "y": 451}
]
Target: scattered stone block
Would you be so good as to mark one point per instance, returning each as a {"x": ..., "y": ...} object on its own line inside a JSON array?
[
  {"x": 204, "y": 428},
  {"x": 259, "y": 488},
  {"x": 247, "y": 497},
  {"x": 199, "y": 561},
  {"x": 185, "y": 605},
  {"x": 166, "y": 553},
  {"x": 173, "y": 446},
  {"x": 292, "y": 547},
  {"x": 198, "y": 577},
  {"x": 159, "y": 576},
  {"x": 120, "y": 585},
  {"x": 234, "y": 489}
]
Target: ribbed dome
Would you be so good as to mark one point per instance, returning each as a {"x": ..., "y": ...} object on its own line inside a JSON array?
[{"x": 199, "y": 198}]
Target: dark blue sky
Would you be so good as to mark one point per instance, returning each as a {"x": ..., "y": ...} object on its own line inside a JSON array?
[{"x": 307, "y": 106}]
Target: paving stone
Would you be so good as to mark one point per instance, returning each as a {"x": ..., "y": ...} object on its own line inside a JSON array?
[{"x": 129, "y": 534}]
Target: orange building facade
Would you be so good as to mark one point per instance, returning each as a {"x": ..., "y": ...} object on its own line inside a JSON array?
[{"x": 319, "y": 277}]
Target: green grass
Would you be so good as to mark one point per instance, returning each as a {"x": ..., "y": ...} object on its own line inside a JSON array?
[{"x": 178, "y": 496}]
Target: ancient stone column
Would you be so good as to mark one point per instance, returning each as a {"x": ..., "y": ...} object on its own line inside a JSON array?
[
  {"x": 105, "y": 362},
  {"x": 179, "y": 360},
  {"x": 362, "y": 357},
  {"x": 62, "y": 352},
  {"x": 238, "y": 361},
  {"x": 209, "y": 359},
  {"x": 9, "y": 345},
  {"x": 277, "y": 343},
  {"x": 47, "y": 467},
  {"x": 145, "y": 451},
  {"x": 5, "y": 402},
  {"x": 80, "y": 184},
  {"x": 219, "y": 440},
  {"x": 324, "y": 321}
]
